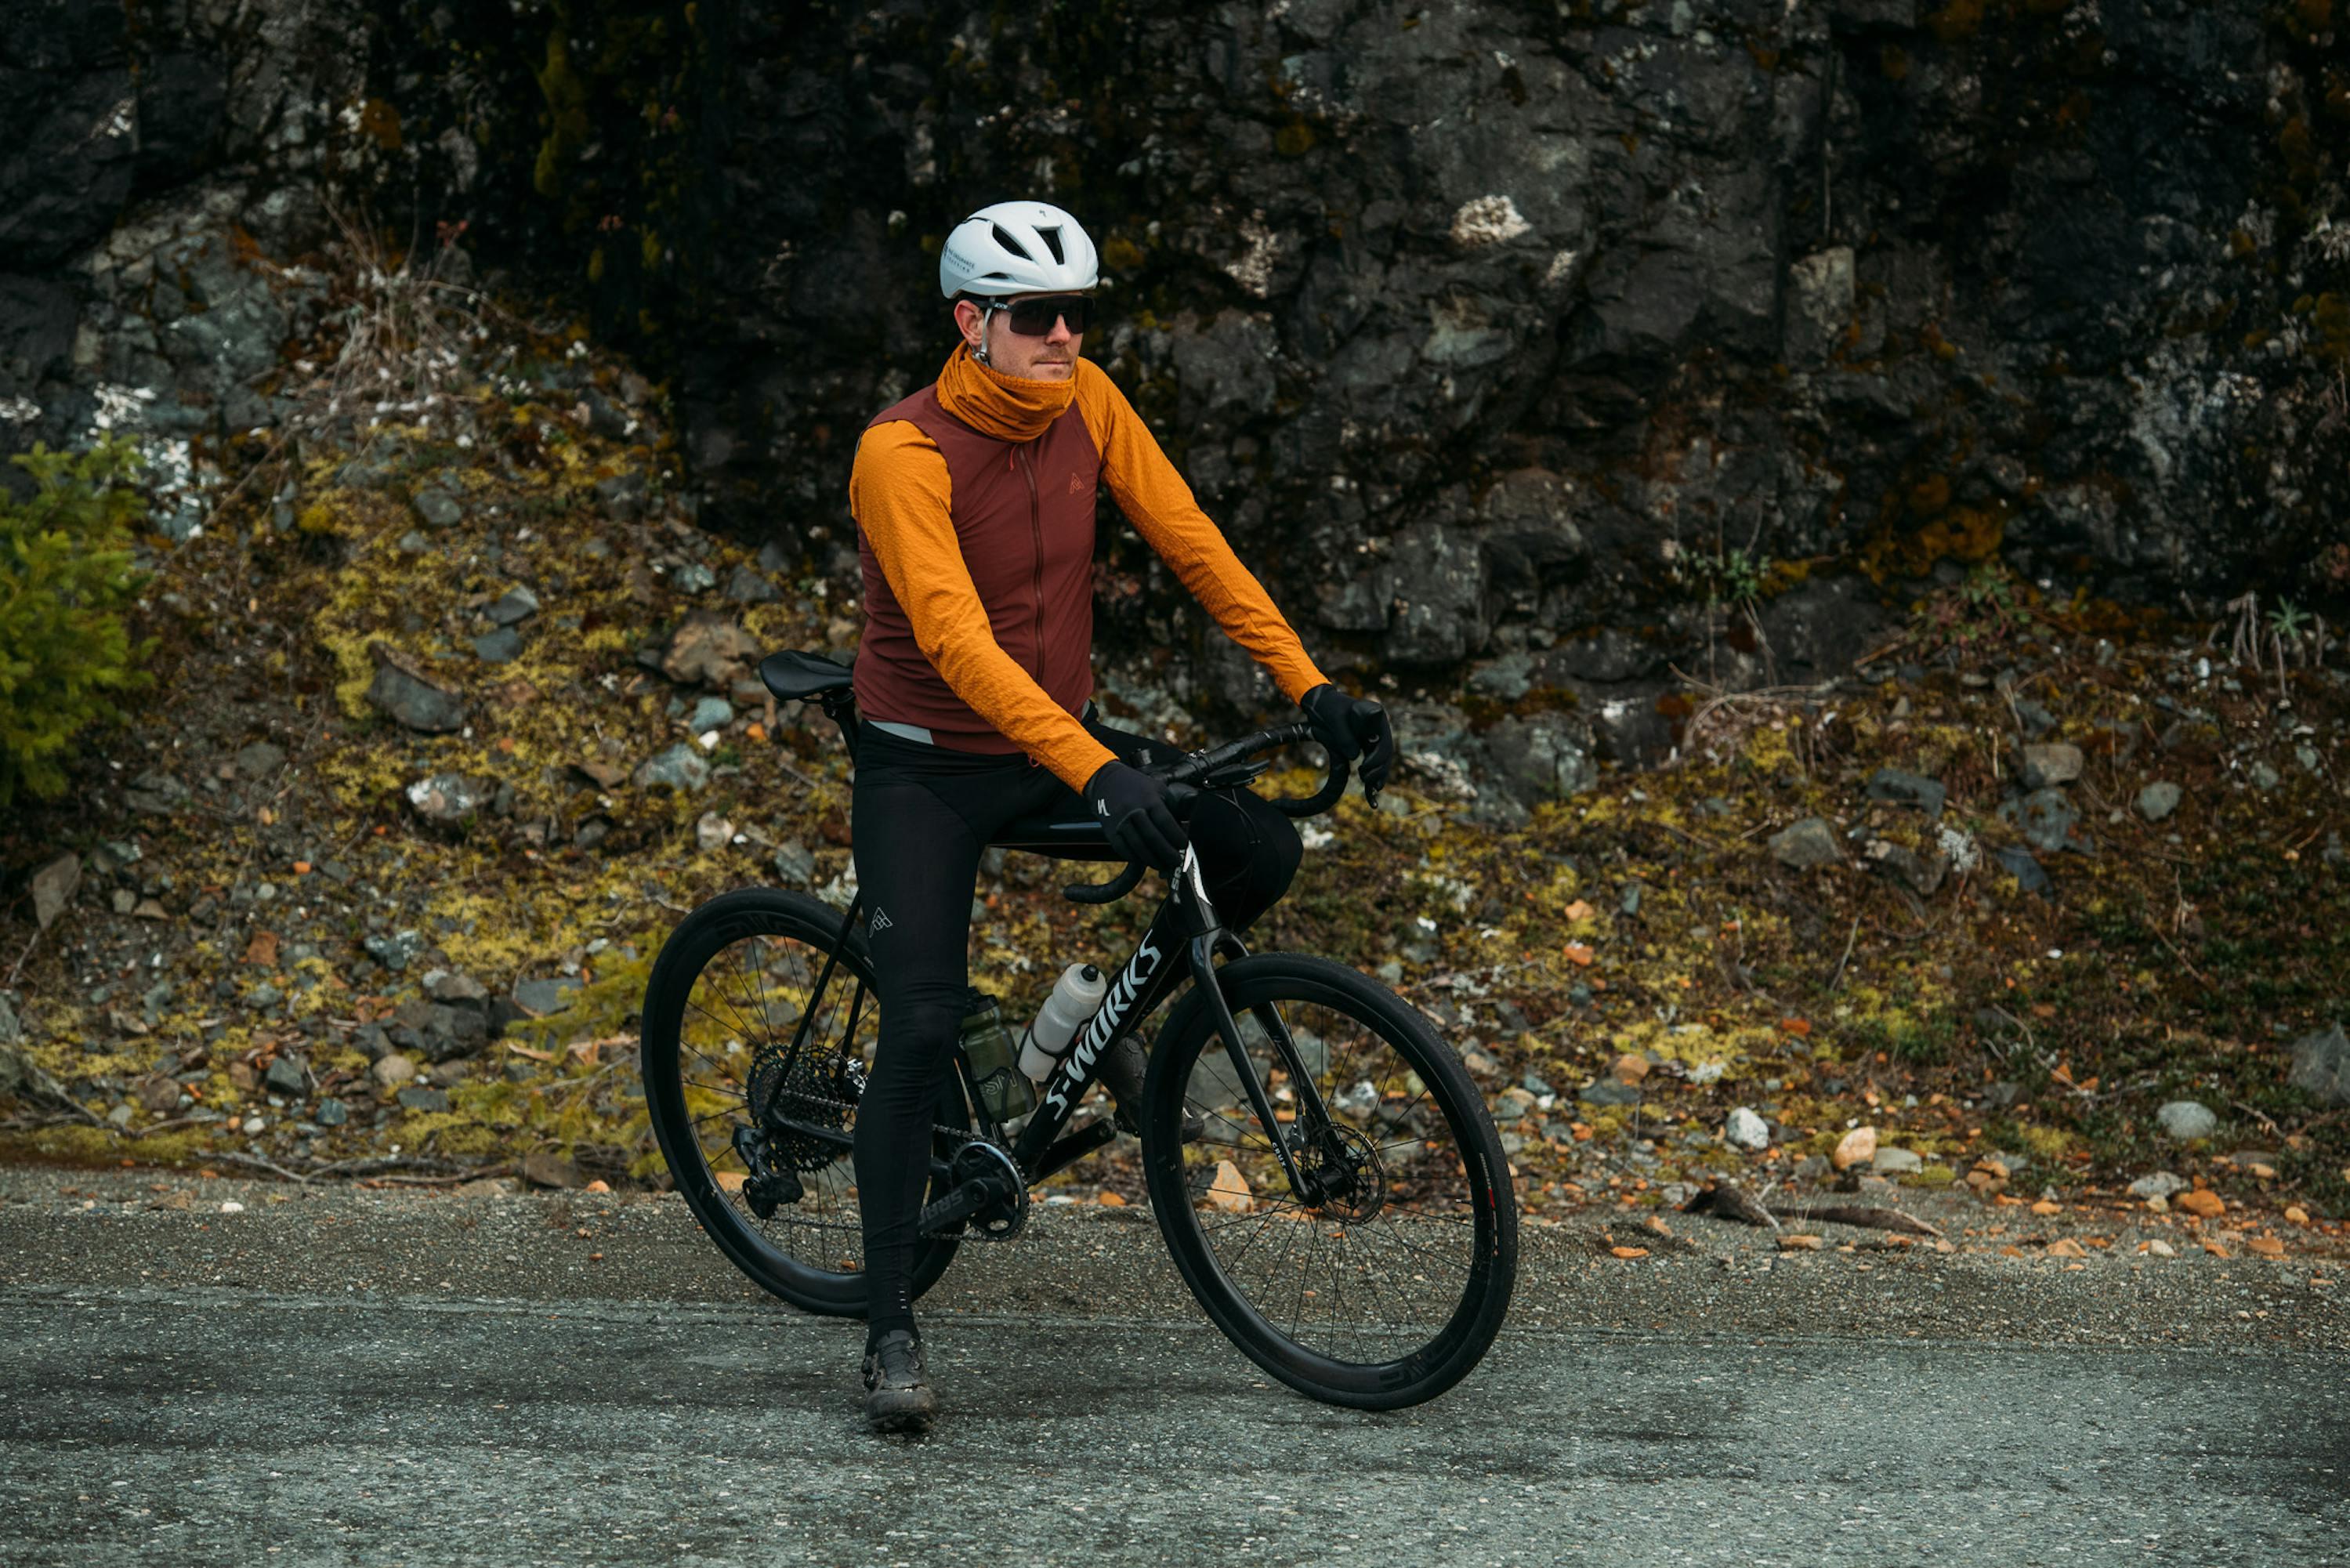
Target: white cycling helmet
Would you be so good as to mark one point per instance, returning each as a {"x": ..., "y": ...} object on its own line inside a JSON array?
[{"x": 1017, "y": 247}]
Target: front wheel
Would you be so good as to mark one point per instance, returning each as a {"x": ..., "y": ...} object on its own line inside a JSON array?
[{"x": 1378, "y": 1276}]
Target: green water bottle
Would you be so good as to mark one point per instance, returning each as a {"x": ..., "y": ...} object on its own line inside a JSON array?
[{"x": 993, "y": 1064}]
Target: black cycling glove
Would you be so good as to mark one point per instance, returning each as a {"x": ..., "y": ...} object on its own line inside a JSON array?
[
  {"x": 1352, "y": 727},
  {"x": 1132, "y": 805}
]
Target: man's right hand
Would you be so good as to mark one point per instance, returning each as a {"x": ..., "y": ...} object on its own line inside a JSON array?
[{"x": 1132, "y": 805}]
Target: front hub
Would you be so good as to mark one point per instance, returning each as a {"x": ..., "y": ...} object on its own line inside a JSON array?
[{"x": 1340, "y": 1174}]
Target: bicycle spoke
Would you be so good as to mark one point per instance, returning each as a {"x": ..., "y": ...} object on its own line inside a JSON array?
[
  {"x": 714, "y": 1019},
  {"x": 1389, "y": 1234},
  {"x": 689, "y": 1046},
  {"x": 751, "y": 1035},
  {"x": 759, "y": 979},
  {"x": 753, "y": 993},
  {"x": 1386, "y": 1251}
]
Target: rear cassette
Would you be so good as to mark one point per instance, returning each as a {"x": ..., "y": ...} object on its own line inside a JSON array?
[{"x": 816, "y": 1093}]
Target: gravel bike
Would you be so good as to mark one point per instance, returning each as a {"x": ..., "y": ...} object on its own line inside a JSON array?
[{"x": 1326, "y": 1175}]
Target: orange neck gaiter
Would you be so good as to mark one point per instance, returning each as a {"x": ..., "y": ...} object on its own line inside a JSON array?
[{"x": 1009, "y": 408}]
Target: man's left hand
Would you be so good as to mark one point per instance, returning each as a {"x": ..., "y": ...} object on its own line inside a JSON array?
[{"x": 1354, "y": 728}]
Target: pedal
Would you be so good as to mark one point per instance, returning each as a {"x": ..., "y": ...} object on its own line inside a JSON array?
[
  {"x": 1195, "y": 1127},
  {"x": 1121, "y": 1072}
]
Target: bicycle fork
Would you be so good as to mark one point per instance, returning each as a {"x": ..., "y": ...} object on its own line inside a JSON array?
[{"x": 1313, "y": 1118}]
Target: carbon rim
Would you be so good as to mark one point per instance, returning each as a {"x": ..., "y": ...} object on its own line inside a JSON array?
[
  {"x": 740, "y": 1010},
  {"x": 1389, "y": 1271}
]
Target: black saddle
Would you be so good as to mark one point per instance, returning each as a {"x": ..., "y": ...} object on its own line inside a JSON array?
[{"x": 798, "y": 677}]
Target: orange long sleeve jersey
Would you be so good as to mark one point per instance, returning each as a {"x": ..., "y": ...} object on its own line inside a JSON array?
[{"x": 993, "y": 585}]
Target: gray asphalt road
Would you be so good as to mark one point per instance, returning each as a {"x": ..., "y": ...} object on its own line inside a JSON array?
[{"x": 354, "y": 1377}]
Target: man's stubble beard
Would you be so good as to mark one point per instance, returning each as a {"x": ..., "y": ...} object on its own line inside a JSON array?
[{"x": 1037, "y": 370}]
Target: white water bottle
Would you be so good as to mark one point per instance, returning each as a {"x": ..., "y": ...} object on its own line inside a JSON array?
[{"x": 1075, "y": 996}]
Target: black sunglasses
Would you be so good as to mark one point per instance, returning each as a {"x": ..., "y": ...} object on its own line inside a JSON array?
[{"x": 1034, "y": 317}]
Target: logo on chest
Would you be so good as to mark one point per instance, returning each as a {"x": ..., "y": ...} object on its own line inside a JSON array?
[{"x": 1077, "y": 483}]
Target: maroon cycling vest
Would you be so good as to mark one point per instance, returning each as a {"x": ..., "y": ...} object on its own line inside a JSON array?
[{"x": 1023, "y": 518}]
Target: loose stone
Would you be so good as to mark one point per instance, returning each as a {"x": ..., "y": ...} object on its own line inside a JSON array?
[
  {"x": 2186, "y": 1119},
  {"x": 2158, "y": 800},
  {"x": 2049, "y": 763},
  {"x": 1805, "y": 845}
]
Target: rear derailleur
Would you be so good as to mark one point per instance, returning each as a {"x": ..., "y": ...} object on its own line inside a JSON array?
[{"x": 766, "y": 1189}]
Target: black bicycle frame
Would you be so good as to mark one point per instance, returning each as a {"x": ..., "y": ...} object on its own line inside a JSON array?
[{"x": 1186, "y": 923}]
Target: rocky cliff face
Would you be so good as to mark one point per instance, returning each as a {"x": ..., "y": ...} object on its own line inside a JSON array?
[{"x": 1524, "y": 350}]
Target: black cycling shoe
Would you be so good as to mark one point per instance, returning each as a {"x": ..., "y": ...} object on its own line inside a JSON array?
[
  {"x": 898, "y": 1394},
  {"x": 1122, "y": 1070}
]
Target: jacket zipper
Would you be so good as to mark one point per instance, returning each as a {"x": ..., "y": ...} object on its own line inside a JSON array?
[{"x": 1037, "y": 534}]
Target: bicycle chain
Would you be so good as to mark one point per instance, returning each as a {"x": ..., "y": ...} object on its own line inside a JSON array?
[{"x": 965, "y": 1134}]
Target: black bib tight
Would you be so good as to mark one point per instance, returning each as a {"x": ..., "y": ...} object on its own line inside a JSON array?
[{"x": 920, "y": 816}]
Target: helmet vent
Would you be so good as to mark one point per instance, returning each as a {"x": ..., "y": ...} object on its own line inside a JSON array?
[
  {"x": 1052, "y": 238},
  {"x": 1003, "y": 237}
]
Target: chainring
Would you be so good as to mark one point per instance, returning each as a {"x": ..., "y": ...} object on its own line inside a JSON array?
[
  {"x": 820, "y": 1090},
  {"x": 1004, "y": 1218}
]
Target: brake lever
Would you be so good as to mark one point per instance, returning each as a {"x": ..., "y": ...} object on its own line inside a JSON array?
[
  {"x": 1232, "y": 776},
  {"x": 1179, "y": 796}
]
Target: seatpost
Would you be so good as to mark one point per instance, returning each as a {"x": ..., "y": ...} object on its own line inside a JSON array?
[{"x": 840, "y": 707}]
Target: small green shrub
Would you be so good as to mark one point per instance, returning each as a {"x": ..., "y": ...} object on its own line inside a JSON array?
[{"x": 65, "y": 580}]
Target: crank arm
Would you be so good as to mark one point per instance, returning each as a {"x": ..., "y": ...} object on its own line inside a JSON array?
[{"x": 952, "y": 1209}]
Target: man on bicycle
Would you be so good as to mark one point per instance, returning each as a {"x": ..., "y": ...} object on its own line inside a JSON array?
[{"x": 975, "y": 505}]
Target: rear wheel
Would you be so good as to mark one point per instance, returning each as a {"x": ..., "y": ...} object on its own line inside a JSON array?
[
  {"x": 1380, "y": 1275},
  {"x": 726, "y": 1000}
]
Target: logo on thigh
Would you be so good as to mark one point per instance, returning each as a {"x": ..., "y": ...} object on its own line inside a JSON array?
[{"x": 880, "y": 923}]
